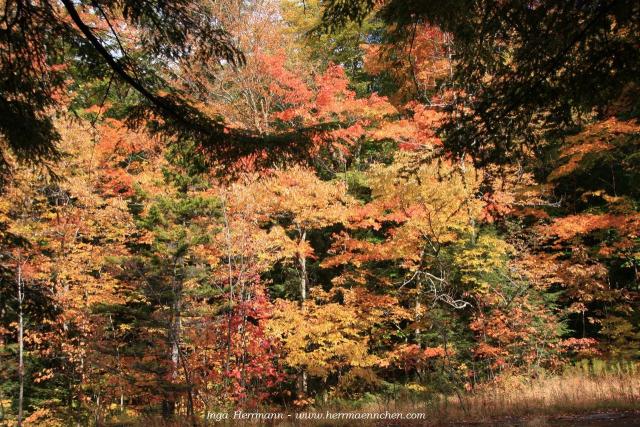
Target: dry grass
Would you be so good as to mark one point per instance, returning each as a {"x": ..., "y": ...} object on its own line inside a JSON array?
[
  {"x": 589, "y": 387},
  {"x": 547, "y": 396}
]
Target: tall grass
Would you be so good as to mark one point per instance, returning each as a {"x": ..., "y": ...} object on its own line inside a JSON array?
[{"x": 586, "y": 387}]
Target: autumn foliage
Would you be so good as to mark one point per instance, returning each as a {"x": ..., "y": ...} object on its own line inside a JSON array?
[{"x": 139, "y": 279}]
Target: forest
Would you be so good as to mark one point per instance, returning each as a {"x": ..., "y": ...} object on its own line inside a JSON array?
[{"x": 287, "y": 206}]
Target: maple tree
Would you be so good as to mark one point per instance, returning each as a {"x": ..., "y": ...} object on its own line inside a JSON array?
[{"x": 511, "y": 94}]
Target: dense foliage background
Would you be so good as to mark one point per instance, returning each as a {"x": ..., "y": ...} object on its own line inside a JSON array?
[{"x": 209, "y": 205}]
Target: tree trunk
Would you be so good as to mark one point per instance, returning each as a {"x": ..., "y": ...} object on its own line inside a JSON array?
[
  {"x": 20, "y": 346},
  {"x": 303, "y": 269},
  {"x": 175, "y": 350},
  {"x": 418, "y": 316},
  {"x": 170, "y": 404},
  {"x": 174, "y": 335},
  {"x": 303, "y": 297}
]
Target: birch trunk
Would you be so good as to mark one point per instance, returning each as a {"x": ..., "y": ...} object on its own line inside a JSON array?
[{"x": 20, "y": 346}]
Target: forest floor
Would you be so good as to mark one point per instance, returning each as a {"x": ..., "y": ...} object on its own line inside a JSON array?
[
  {"x": 575, "y": 398},
  {"x": 596, "y": 419},
  {"x": 611, "y": 418}
]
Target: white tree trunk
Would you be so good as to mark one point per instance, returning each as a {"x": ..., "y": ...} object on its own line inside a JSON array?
[
  {"x": 303, "y": 295},
  {"x": 303, "y": 269},
  {"x": 20, "y": 346}
]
